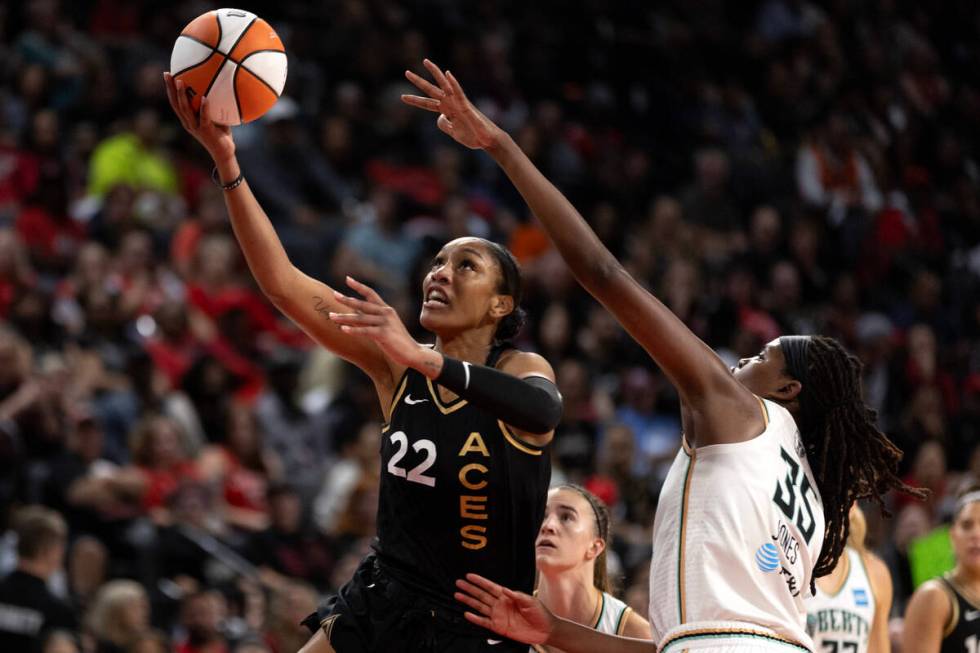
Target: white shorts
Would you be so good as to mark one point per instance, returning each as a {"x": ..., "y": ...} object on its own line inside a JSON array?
[{"x": 727, "y": 637}]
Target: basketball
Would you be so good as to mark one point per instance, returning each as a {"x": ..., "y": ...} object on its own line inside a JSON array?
[{"x": 235, "y": 59}]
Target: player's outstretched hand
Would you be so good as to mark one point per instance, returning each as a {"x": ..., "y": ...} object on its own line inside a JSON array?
[
  {"x": 457, "y": 115},
  {"x": 374, "y": 319},
  {"x": 215, "y": 138},
  {"x": 508, "y": 613}
]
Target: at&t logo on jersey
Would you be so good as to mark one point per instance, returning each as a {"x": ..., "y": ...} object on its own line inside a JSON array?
[
  {"x": 860, "y": 598},
  {"x": 767, "y": 558}
]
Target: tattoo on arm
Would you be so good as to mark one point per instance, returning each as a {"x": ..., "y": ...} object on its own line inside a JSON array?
[{"x": 321, "y": 307}]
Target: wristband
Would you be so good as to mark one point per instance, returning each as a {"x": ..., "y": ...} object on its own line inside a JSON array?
[{"x": 231, "y": 185}]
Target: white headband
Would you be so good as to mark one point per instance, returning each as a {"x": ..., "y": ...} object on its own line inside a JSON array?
[{"x": 969, "y": 497}]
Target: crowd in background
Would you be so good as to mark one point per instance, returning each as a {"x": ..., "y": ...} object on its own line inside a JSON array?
[{"x": 763, "y": 167}]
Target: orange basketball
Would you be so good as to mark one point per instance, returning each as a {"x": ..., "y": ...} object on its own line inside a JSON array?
[{"x": 235, "y": 59}]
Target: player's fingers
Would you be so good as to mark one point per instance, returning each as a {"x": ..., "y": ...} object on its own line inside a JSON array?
[
  {"x": 356, "y": 319},
  {"x": 454, "y": 84},
  {"x": 366, "y": 291},
  {"x": 439, "y": 77},
  {"x": 359, "y": 330},
  {"x": 517, "y": 597},
  {"x": 205, "y": 114},
  {"x": 172, "y": 94},
  {"x": 479, "y": 620},
  {"x": 168, "y": 83},
  {"x": 485, "y": 584},
  {"x": 445, "y": 124},
  {"x": 483, "y": 608},
  {"x": 476, "y": 593},
  {"x": 358, "y": 304},
  {"x": 187, "y": 113},
  {"x": 426, "y": 103},
  {"x": 424, "y": 85}
]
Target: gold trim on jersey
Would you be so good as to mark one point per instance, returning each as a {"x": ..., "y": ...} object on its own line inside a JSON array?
[
  {"x": 967, "y": 595},
  {"x": 623, "y": 620},
  {"x": 682, "y": 613},
  {"x": 685, "y": 445},
  {"x": 445, "y": 409},
  {"x": 954, "y": 613},
  {"x": 519, "y": 444},
  {"x": 952, "y": 589},
  {"x": 327, "y": 625},
  {"x": 727, "y": 632},
  {"x": 402, "y": 384},
  {"x": 765, "y": 412},
  {"x": 600, "y": 606}
]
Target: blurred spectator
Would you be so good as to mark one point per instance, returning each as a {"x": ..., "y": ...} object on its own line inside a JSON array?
[
  {"x": 656, "y": 435},
  {"x": 28, "y": 608},
  {"x": 377, "y": 249},
  {"x": 290, "y": 547},
  {"x": 241, "y": 468},
  {"x": 61, "y": 641},
  {"x": 119, "y": 616},
  {"x": 88, "y": 569},
  {"x": 161, "y": 461},
  {"x": 833, "y": 175},
  {"x": 133, "y": 158},
  {"x": 89, "y": 490},
  {"x": 299, "y": 437},
  {"x": 202, "y": 615},
  {"x": 290, "y": 605},
  {"x": 150, "y": 641},
  {"x": 357, "y": 459}
]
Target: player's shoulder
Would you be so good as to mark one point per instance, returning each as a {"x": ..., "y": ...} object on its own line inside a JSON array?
[
  {"x": 874, "y": 564},
  {"x": 525, "y": 363},
  {"x": 934, "y": 594}
]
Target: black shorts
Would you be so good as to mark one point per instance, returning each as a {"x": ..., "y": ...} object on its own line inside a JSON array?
[{"x": 375, "y": 613}]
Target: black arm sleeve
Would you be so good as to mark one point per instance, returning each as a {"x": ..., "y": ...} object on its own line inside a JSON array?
[{"x": 532, "y": 404}]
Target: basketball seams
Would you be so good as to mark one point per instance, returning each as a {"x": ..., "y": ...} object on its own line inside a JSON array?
[
  {"x": 255, "y": 74},
  {"x": 240, "y": 36},
  {"x": 221, "y": 33},
  {"x": 234, "y": 90},
  {"x": 199, "y": 63},
  {"x": 228, "y": 58},
  {"x": 197, "y": 40},
  {"x": 258, "y": 77}
]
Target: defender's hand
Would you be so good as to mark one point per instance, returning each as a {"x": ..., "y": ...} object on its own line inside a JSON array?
[{"x": 457, "y": 115}]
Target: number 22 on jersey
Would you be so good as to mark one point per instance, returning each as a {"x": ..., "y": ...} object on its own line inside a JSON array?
[{"x": 417, "y": 473}]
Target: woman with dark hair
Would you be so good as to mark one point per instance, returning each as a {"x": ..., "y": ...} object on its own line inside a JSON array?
[
  {"x": 465, "y": 469},
  {"x": 774, "y": 453},
  {"x": 943, "y": 615},
  {"x": 573, "y": 581}
]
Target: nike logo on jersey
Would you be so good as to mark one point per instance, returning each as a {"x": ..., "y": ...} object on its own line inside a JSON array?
[
  {"x": 970, "y": 615},
  {"x": 412, "y": 402},
  {"x": 494, "y": 642}
]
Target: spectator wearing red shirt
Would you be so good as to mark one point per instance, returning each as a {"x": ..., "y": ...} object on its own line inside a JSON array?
[
  {"x": 241, "y": 468},
  {"x": 161, "y": 461}
]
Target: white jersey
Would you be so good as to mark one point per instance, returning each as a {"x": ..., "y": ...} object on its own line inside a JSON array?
[
  {"x": 612, "y": 617},
  {"x": 738, "y": 531},
  {"x": 842, "y": 620}
]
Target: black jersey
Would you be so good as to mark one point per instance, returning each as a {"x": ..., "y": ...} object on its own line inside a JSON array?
[
  {"x": 460, "y": 493},
  {"x": 962, "y": 633}
]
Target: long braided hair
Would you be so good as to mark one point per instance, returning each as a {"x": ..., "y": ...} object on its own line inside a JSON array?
[{"x": 850, "y": 457}]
